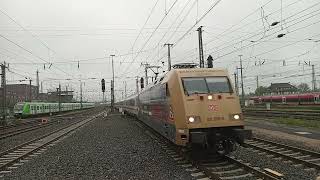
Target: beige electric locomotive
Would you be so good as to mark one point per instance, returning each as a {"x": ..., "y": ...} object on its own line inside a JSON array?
[{"x": 192, "y": 106}]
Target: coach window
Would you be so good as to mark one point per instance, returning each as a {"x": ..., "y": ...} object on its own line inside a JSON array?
[{"x": 38, "y": 107}]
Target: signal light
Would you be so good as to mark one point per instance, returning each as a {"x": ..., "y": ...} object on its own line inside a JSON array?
[{"x": 141, "y": 83}]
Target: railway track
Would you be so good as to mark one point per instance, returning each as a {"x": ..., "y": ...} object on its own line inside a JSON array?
[
  {"x": 307, "y": 115},
  {"x": 301, "y": 157},
  {"x": 12, "y": 130},
  {"x": 227, "y": 168},
  {"x": 36, "y": 120},
  {"x": 14, "y": 157},
  {"x": 25, "y": 122},
  {"x": 25, "y": 129},
  {"x": 209, "y": 167}
]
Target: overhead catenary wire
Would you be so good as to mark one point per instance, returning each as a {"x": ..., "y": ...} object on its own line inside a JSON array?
[
  {"x": 174, "y": 21},
  {"x": 225, "y": 31},
  {"x": 255, "y": 43},
  {"x": 30, "y": 52},
  {"x": 203, "y": 16},
  {"x": 258, "y": 42},
  {"x": 143, "y": 46},
  {"x": 245, "y": 25}
]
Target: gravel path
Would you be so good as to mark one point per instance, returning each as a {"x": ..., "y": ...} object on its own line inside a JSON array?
[{"x": 110, "y": 148}]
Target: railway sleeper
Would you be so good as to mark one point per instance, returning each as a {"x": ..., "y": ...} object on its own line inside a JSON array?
[
  {"x": 313, "y": 160},
  {"x": 292, "y": 154},
  {"x": 231, "y": 171},
  {"x": 223, "y": 167},
  {"x": 237, "y": 176}
]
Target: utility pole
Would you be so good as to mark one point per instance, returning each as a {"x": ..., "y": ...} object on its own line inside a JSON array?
[
  {"x": 4, "y": 93},
  {"x": 201, "y": 58},
  {"x": 257, "y": 79},
  {"x": 236, "y": 83},
  {"x": 80, "y": 94},
  {"x": 30, "y": 90},
  {"x": 146, "y": 66},
  {"x": 125, "y": 89},
  {"x": 41, "y": 87},
  {"x": 237, "y": 80},
  {"x": 313, "y": 79},
  {"x": 137, "y": 84},
  {"x": 37, "y": 79},
  {"x": 112, "y": 84},
  {"x": 242, "y": 87},
  {"x": 169, "y": 57},
  {"x": 59, "y": 97},
  {"x": 112, "y": 95}
]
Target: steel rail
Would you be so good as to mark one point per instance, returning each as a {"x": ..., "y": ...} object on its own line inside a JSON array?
[
  {"x": 294, "y": 154},
  {"x": 204, "y": 166},
  {"x": 19, "y": 152},
  {"x": 31, "y": 127}
]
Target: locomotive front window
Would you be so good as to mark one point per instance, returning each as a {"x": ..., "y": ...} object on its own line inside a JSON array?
[
  {"x": 194, "y": 86},
  {"x": 18, "y": 106},
  {"x": 218, "y": 85},
  {"x": 206, "y": 85}
]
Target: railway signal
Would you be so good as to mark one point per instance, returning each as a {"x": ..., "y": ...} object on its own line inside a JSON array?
[
  {"x": 210, "y": 61},
  {"x": 103, "y": 85},
  {"x": 141, "y": 83}
]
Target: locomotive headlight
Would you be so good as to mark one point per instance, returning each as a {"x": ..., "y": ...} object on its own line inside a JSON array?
[
  {"x": 191, "y": 119},
  {"x": 209, "y": 97},
  {"x": 236, "y": 117}
]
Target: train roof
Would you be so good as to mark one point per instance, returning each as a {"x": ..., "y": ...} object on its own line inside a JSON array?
[
  {"x": 51, "y": 103},
  {"x": 187, "y": 72}
]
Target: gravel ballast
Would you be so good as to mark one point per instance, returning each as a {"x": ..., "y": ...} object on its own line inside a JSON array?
[
  {"x": 107, "y": 148},
  {"x": 18, "y": 139},
  {"x": 279, "y": 134},
  {"x": 263, "y": 160}
]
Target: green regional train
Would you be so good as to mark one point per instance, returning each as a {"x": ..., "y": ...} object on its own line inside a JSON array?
[{"x": 25, "y": 109}]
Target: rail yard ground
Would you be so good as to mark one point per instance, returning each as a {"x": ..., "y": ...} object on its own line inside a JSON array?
[
  {"x": 117, "y": 147},
  {"x": 107, "y": 148},
  {"x": 291, "y": 134}
]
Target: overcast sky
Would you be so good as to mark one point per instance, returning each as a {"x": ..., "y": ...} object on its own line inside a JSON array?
[{"x": 52, "y": 36}]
